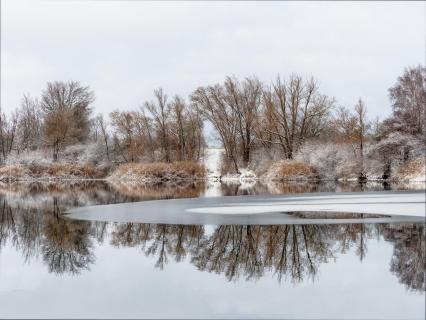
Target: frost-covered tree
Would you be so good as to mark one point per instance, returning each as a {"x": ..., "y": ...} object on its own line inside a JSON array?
[
  {"x": 395, "y": 149},
  {"x": 408, "y": 97}
]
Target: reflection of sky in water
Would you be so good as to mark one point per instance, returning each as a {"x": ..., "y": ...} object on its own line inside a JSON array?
[
  {"x": 123, "y": 282},
  {"x": 136, "y": 270}
]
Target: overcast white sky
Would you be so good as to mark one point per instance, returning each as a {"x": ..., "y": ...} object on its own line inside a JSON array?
[{"x": 125, "y": 49}]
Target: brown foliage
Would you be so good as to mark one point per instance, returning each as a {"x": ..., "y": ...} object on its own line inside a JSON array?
[
  {"x": 291, "y": 170},
  {"x": 12, "y": 172},
  {"x": 66, "y": 111},
  {"x": 414, "y": 169},
  {"x": 55, "y": 171}
]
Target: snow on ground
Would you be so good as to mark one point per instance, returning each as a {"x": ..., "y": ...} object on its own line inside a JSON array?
[
  {"x": 212, "y": 162},
  {"x": 245, "y": 177}
]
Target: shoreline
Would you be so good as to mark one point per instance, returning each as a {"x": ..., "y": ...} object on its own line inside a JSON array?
[
  {"x": 226, "y": 180},
  {"x": 206, "y": 170}
]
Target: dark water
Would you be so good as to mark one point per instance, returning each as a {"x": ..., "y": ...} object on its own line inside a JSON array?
[{"x": 56, "y": 267}]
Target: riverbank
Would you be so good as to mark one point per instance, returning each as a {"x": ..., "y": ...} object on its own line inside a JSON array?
[
  {"x": 207, "y": 169},
  {"x": 142, "y": 172},
  {"x": 18, "y": 172},
  {"x": 159, "y": 172},
  {"x": 268, "y": 171}
]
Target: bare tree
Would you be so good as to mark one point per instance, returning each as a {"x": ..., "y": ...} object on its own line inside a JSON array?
[
  {"x": 102, "y": 125},
  {"x": 29, "y": 124},
  {"x": 352, "y": 128},
  {"x": 244, "y": 99},
  {"x": 294, "y": 112},
  {"x": 145, "y": 128},
  {"x": 172, "y": 131},
  {"x": 178, "y": 108},
  {"x": 66, "y": 111},
  {"x": 186, "y": 130},
  {"x": 7, "y": 133},
  {"x": 232, "y": 108},
  {"x": 160, "y": 111},
  {"x": 362, "y": 127},
  {"x": 124, "y": 125},
  {"x": 210, "y": 102},
  {"x": 194, "y": 134}
]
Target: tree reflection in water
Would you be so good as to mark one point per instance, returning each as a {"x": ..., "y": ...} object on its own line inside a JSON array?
[
  {"x": 409, "y": 254},
  {"x": 66, "y": 245},
  {"x": 291, "y": 251},
  {"x": 32, "y": 223}
]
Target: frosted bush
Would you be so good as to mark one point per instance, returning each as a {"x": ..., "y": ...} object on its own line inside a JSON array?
[
  {"x": 92, "y": 153},
  {"x": 30, "y": 158},
  {"x": 395, "y": 150},
  {"x": 331, "y": 160}
]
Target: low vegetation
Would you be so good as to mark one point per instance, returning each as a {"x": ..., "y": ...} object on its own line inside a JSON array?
[
  {"x": 291, "y": 170},
  {"x": 414, "y": 170},
  {"x": 159, "y": 172},
  {"x": 54, "y": 171}
]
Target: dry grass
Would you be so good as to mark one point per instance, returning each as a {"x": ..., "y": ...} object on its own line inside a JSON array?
[
  {"x": 159, "y": 171},
  {"x": 291, "y": 170},
  {"x": 414, "y": 170},
  {"x": 74, "y": 170},
  {"x": 55, "y": 171},
  {"x": 148, "y": 172},
  {"x": 13, "y": 172}
]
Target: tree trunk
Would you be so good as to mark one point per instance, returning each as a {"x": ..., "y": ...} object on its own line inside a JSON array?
[{"x": 387, "y": 170}]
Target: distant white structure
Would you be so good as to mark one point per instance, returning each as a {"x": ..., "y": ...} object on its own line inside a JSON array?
[{"x": 212, "y": 162}]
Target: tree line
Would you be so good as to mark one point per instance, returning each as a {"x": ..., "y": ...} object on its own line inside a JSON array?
[
  {"x": 277, "y": 119},
  {"x": 161, "y": 130},
  {"x": 252, "y": 119}
]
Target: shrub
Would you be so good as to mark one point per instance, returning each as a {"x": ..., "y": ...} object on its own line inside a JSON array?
[
  {"x": 54, "y": 171},
  {"x": 291, "y": 170},
  {"x": 159, "y": 171},
  {"x": 332, "y": 161},
  {"x": 414, "y": 170},
  {"x": 13, "y": 172},
  {"x": 85, "y": 171}
]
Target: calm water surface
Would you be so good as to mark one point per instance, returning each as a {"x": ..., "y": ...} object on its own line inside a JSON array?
[{"x": 51, "y": 266}]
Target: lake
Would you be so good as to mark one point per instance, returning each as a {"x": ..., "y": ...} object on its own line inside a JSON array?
[{"x": 52, "y": 266}]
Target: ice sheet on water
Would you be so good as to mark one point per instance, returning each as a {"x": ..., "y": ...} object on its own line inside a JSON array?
[{"x": 402, "y": 206}]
